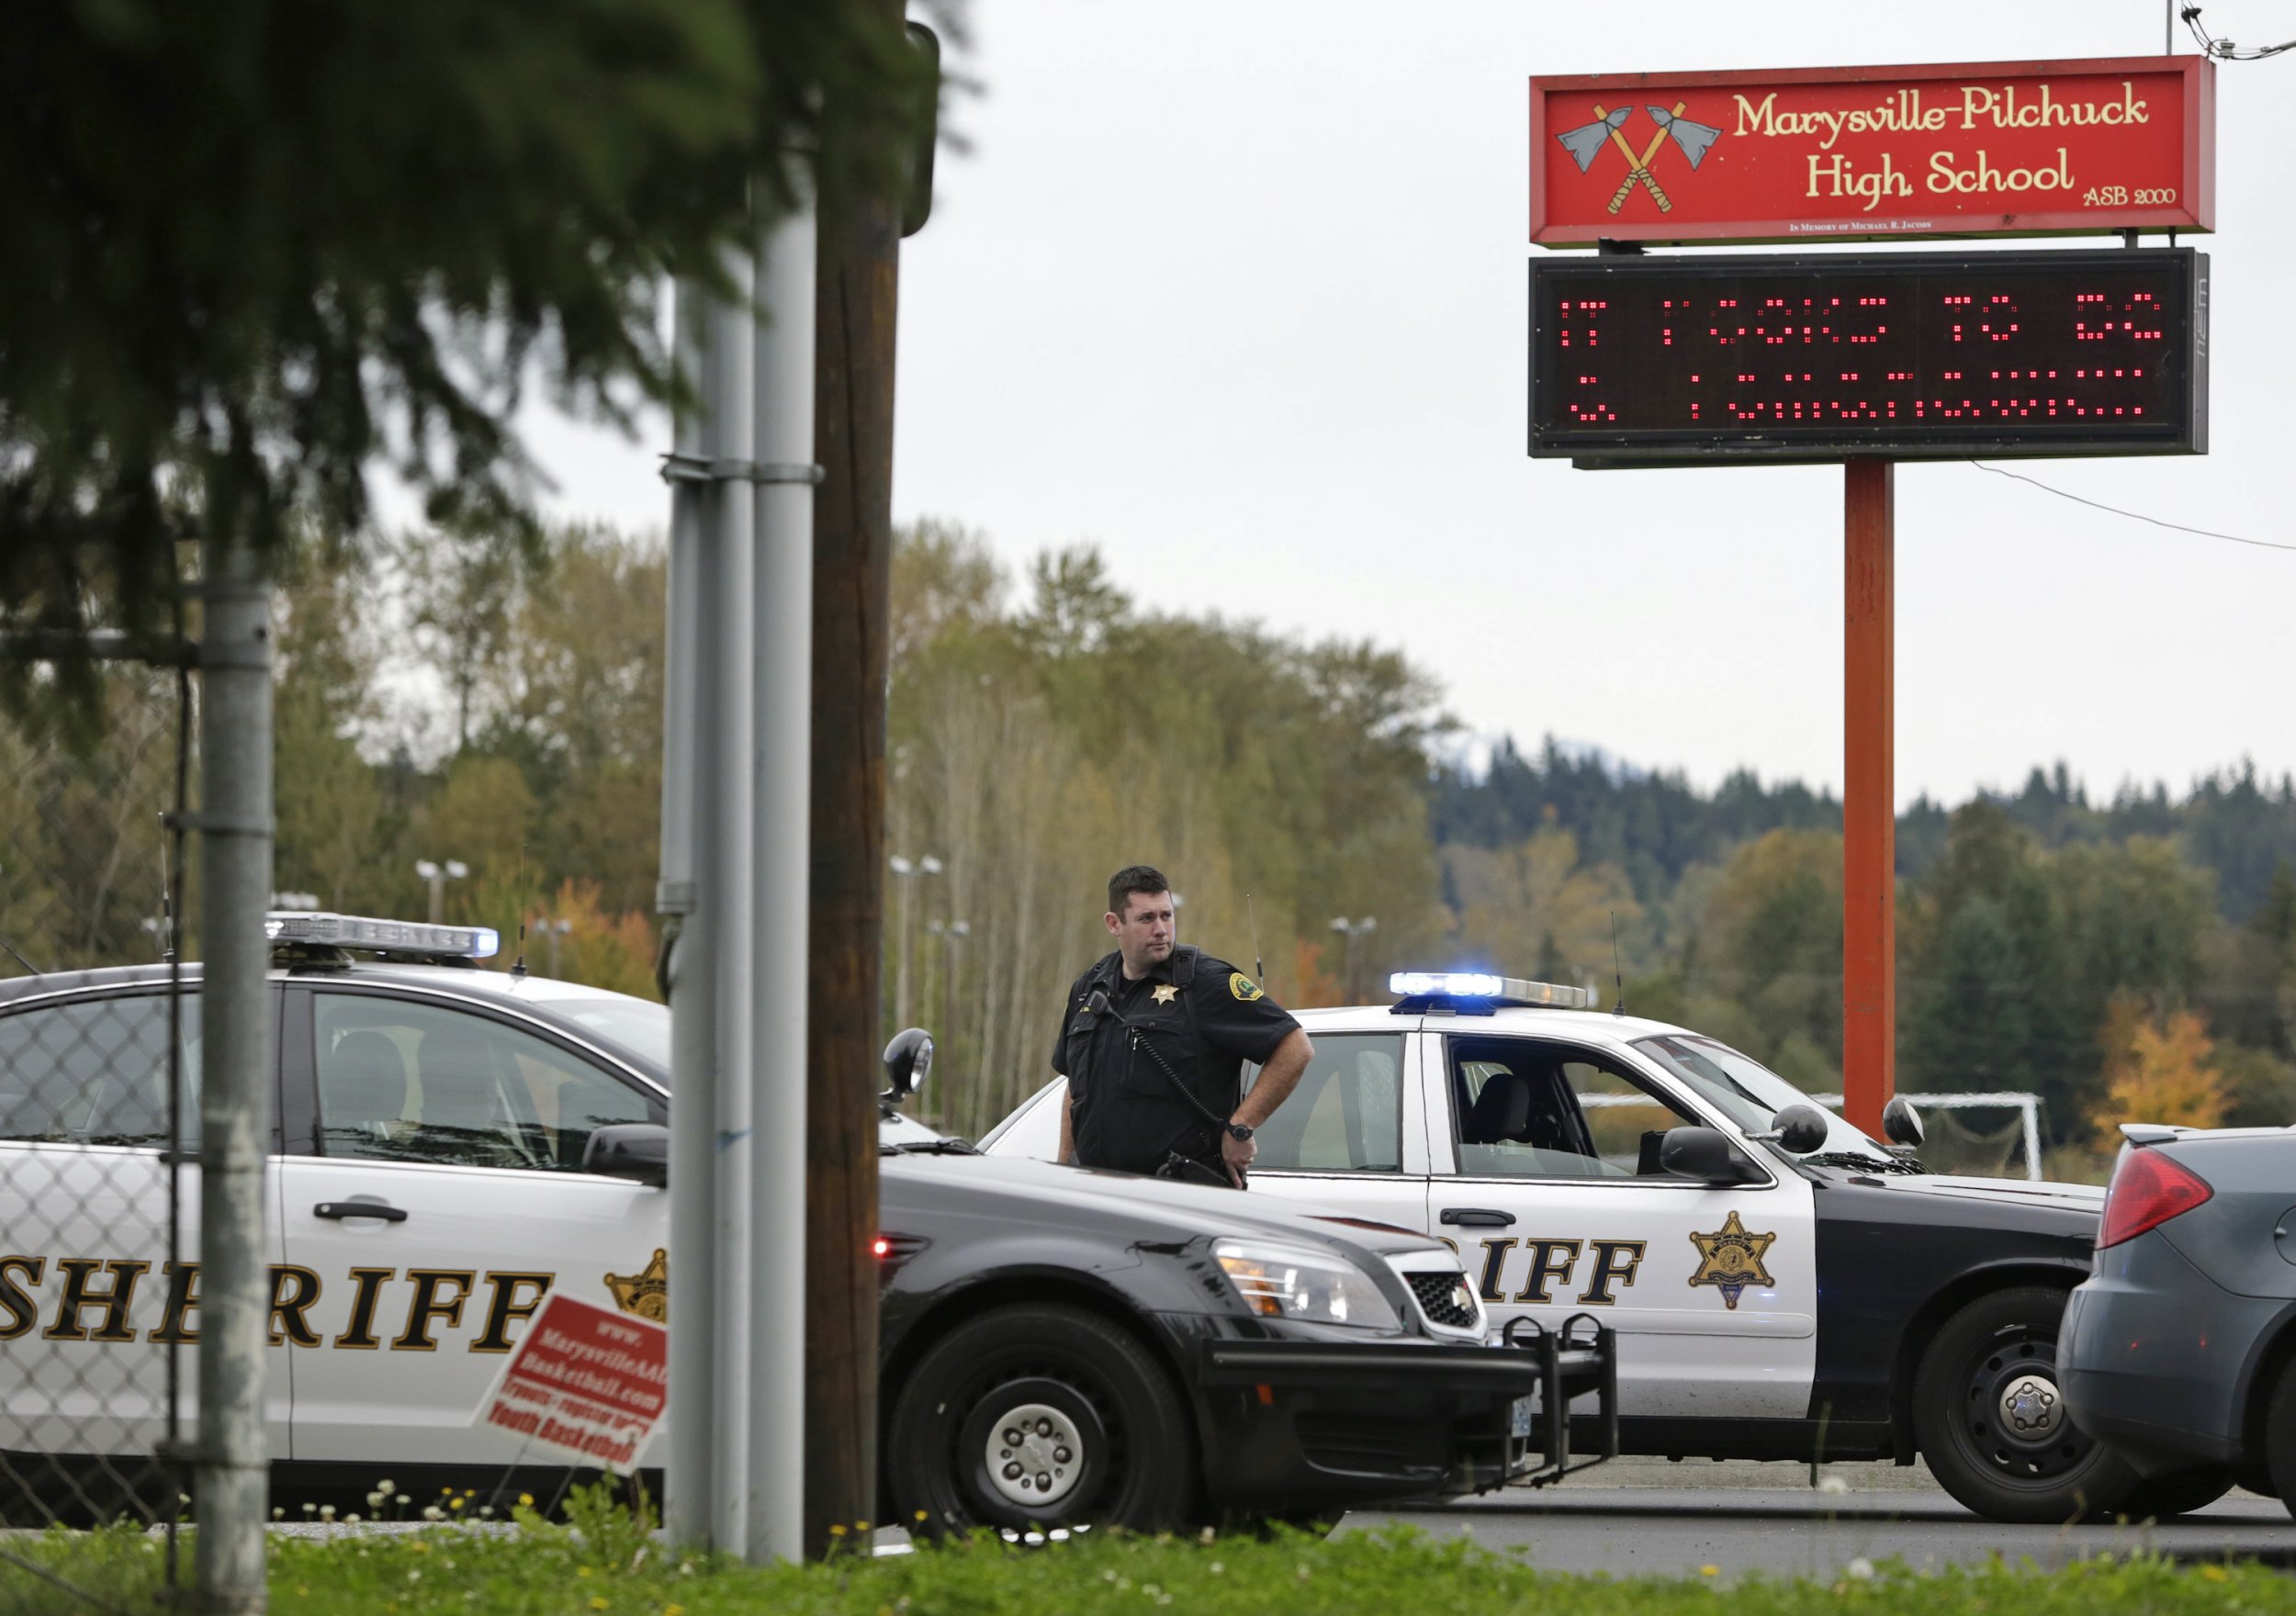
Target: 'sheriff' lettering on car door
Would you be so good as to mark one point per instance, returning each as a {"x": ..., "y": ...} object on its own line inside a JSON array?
[
  {"x": 93, "y": 1300},
  {"x": 1611, "y": 1265}
]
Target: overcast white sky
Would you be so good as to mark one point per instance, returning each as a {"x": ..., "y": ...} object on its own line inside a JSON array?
[{"x": 1235, "y": 288}]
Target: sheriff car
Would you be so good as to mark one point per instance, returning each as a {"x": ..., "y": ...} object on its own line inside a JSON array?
[
  {"x": 453, "y": 1144},
  {"x": 1782, "y": 1285}
]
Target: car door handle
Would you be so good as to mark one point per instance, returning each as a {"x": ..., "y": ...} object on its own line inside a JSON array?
[
  {"x": 1478, "y": 1216},
  {"x": 382, "y": 1211}
]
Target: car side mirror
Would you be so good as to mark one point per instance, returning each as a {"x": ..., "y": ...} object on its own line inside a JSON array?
[
  {"x": 1901, "y": 1124},
  {"x": 1707, "y": 1155},
  {"x": 1797, "y": 1128},
  {"x": 908, "y": 1060},
  {"x": 636, "y": 1151}
]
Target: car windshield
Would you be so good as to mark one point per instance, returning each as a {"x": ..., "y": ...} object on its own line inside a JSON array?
[
  {"x": 1746, "y": 1091},
  {"x": 634, "y": 1026}
]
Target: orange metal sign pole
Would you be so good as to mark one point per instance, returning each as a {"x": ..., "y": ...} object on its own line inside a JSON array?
[{"x": 1869, "y": 821}]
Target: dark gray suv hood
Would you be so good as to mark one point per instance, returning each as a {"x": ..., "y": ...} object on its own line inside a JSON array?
[
  {"x": 2008, "y": 1192},
  {"x": 1147, "y": 1207}
]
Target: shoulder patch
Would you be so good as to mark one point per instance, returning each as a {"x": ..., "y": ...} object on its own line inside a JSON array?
[{"x": 1243, "y": 987}]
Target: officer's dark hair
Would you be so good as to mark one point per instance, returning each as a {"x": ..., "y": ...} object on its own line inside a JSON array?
[{"x": 1134, "y": 878}]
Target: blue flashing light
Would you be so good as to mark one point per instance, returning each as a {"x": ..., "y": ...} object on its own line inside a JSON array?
[
  {"x": 360, "y": 931},
  {"x": 1480, "y": 984},
  {"x": 1450, "y": 984}
]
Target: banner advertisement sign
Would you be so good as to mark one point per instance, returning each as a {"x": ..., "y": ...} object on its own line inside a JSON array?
[
  {"x": 585, "y": 1383},
  {"x": 1866, "y": 153}
]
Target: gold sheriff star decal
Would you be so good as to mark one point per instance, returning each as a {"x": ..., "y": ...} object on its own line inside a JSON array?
[
  {"x": 1166, "y": 994},
  {"x": 1730, "y": 1259},
  {"x": 646, "y": 1291}
]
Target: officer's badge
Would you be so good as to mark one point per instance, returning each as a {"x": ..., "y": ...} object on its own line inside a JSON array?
[
  {"x": 1166, "y": 992},
  {"x": 646, "y": 1291},
  {"x": 1243, "y": 987},
  {"x": 1730, "y": 1259}
]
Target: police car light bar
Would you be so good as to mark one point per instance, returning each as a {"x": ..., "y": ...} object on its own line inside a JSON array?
[
  {"x": 358, "y": 931},
  {"x": 1476, "y": 984}
]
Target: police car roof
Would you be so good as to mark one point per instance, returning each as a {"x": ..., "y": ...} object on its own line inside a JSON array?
[
  {"x": 461, "y": 978},
  {"x": 107, "y": 976},
  {"x": 1519, "y": 1020}
]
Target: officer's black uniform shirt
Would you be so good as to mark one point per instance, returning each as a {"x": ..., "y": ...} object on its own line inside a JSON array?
[{"x": 1128, "y": 1114}]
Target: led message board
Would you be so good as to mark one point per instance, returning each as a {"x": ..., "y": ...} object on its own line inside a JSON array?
[
  {"x": 1911, "y": 355},
  {"x": 1841, "y": 154}
]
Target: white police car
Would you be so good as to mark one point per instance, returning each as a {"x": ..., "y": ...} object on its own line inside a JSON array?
[
  {"x": 1782, "y": 1287},
  {"x": 425, "y": 1193},
  {"x": 441, "y": 1163}
]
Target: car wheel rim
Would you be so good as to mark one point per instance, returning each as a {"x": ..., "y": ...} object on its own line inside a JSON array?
[
  {"x": 1035, "y": 1455},
  {"x": 2016, "y": 1418},
  {"x": 1035, "y": 1450}
]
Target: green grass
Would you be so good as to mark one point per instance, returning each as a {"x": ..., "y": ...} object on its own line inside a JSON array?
[{"x": 606, "y": 1564}]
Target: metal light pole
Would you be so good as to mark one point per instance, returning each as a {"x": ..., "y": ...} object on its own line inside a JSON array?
[
  {"x": 908, "y": 869},
  {"x": 438, "y": 875},
  {"x": 705, "y": 885},
  {"x": 232, "y": 1461},
  {"x": 779, "y": 755},
  {"x": 1351, "y": 930}
]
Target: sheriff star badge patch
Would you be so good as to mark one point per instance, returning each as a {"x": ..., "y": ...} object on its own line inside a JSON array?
[
  {"x": 1730, "y": 1259},
  {"x": 646, "y": 1291}
]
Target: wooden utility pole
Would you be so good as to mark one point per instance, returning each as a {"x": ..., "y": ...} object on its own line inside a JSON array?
[
  {"x": 1869, "y": 811},
  {"x": 852, "y": 538}
]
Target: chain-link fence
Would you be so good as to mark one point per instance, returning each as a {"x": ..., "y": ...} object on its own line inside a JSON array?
[{"x": 99, "y": 1067}]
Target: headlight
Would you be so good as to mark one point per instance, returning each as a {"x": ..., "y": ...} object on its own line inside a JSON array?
[{"x": 1298, "y": 1282}]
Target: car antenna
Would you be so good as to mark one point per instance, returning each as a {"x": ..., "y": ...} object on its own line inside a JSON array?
[
  {"x": 19, "y": 959},
  {"x": 1619, "y": 1008},
  {"x": 518, "y": 966},
  {"x": 167, "y": 911},
  {"x": 1259, "y": 967}
]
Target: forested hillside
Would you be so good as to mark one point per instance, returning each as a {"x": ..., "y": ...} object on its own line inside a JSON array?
[{"x": 456, "y": 701}]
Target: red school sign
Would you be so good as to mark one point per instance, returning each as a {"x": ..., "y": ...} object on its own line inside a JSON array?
[
  {"x": 586, "y": 1384},
  {"x": 1820, "y": 154}
]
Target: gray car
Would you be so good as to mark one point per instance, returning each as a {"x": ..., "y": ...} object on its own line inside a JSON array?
[{"x": 2180, "y": 1348}]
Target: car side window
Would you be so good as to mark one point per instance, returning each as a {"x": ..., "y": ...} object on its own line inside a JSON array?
[
  {"x": 1525, "y": 1108},
  {"x": 94, "y": 1070},
  {"x": 404, "y": 1081},
  {"x": 1347, "y": 1116}
]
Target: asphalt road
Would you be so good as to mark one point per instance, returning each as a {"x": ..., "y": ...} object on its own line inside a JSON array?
[{"x": 1648, "y": 1516}]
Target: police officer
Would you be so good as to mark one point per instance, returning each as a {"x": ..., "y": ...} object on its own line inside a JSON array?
[{"x": 1152, "y": 1041}]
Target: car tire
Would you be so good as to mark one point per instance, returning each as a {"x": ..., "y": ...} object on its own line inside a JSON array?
[
  {"x": 2279, "y": 1439},
  {"x": 1028, "y": 1417},
  {"x": 2156, "y": 1497},
  {"x": 1989, "y": 1417}
]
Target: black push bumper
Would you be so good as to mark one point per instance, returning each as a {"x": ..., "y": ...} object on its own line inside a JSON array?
[{"x": 1318, "y": 1421}]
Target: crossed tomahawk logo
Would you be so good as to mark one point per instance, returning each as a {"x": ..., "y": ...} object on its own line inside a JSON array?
[{"x": 1691, "y": 138}]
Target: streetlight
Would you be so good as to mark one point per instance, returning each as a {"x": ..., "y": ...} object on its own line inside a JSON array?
[
  {"x": 438, "y": 875},
  {"x": 907, "y": 869},
  {"x": 1351, "y": 930},
  {"x": 951, "y": 934},
  {"x": 554, "y": 930}
]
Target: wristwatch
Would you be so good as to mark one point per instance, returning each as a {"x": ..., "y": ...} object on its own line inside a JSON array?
[{"x": 1240, "y": 1131}]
